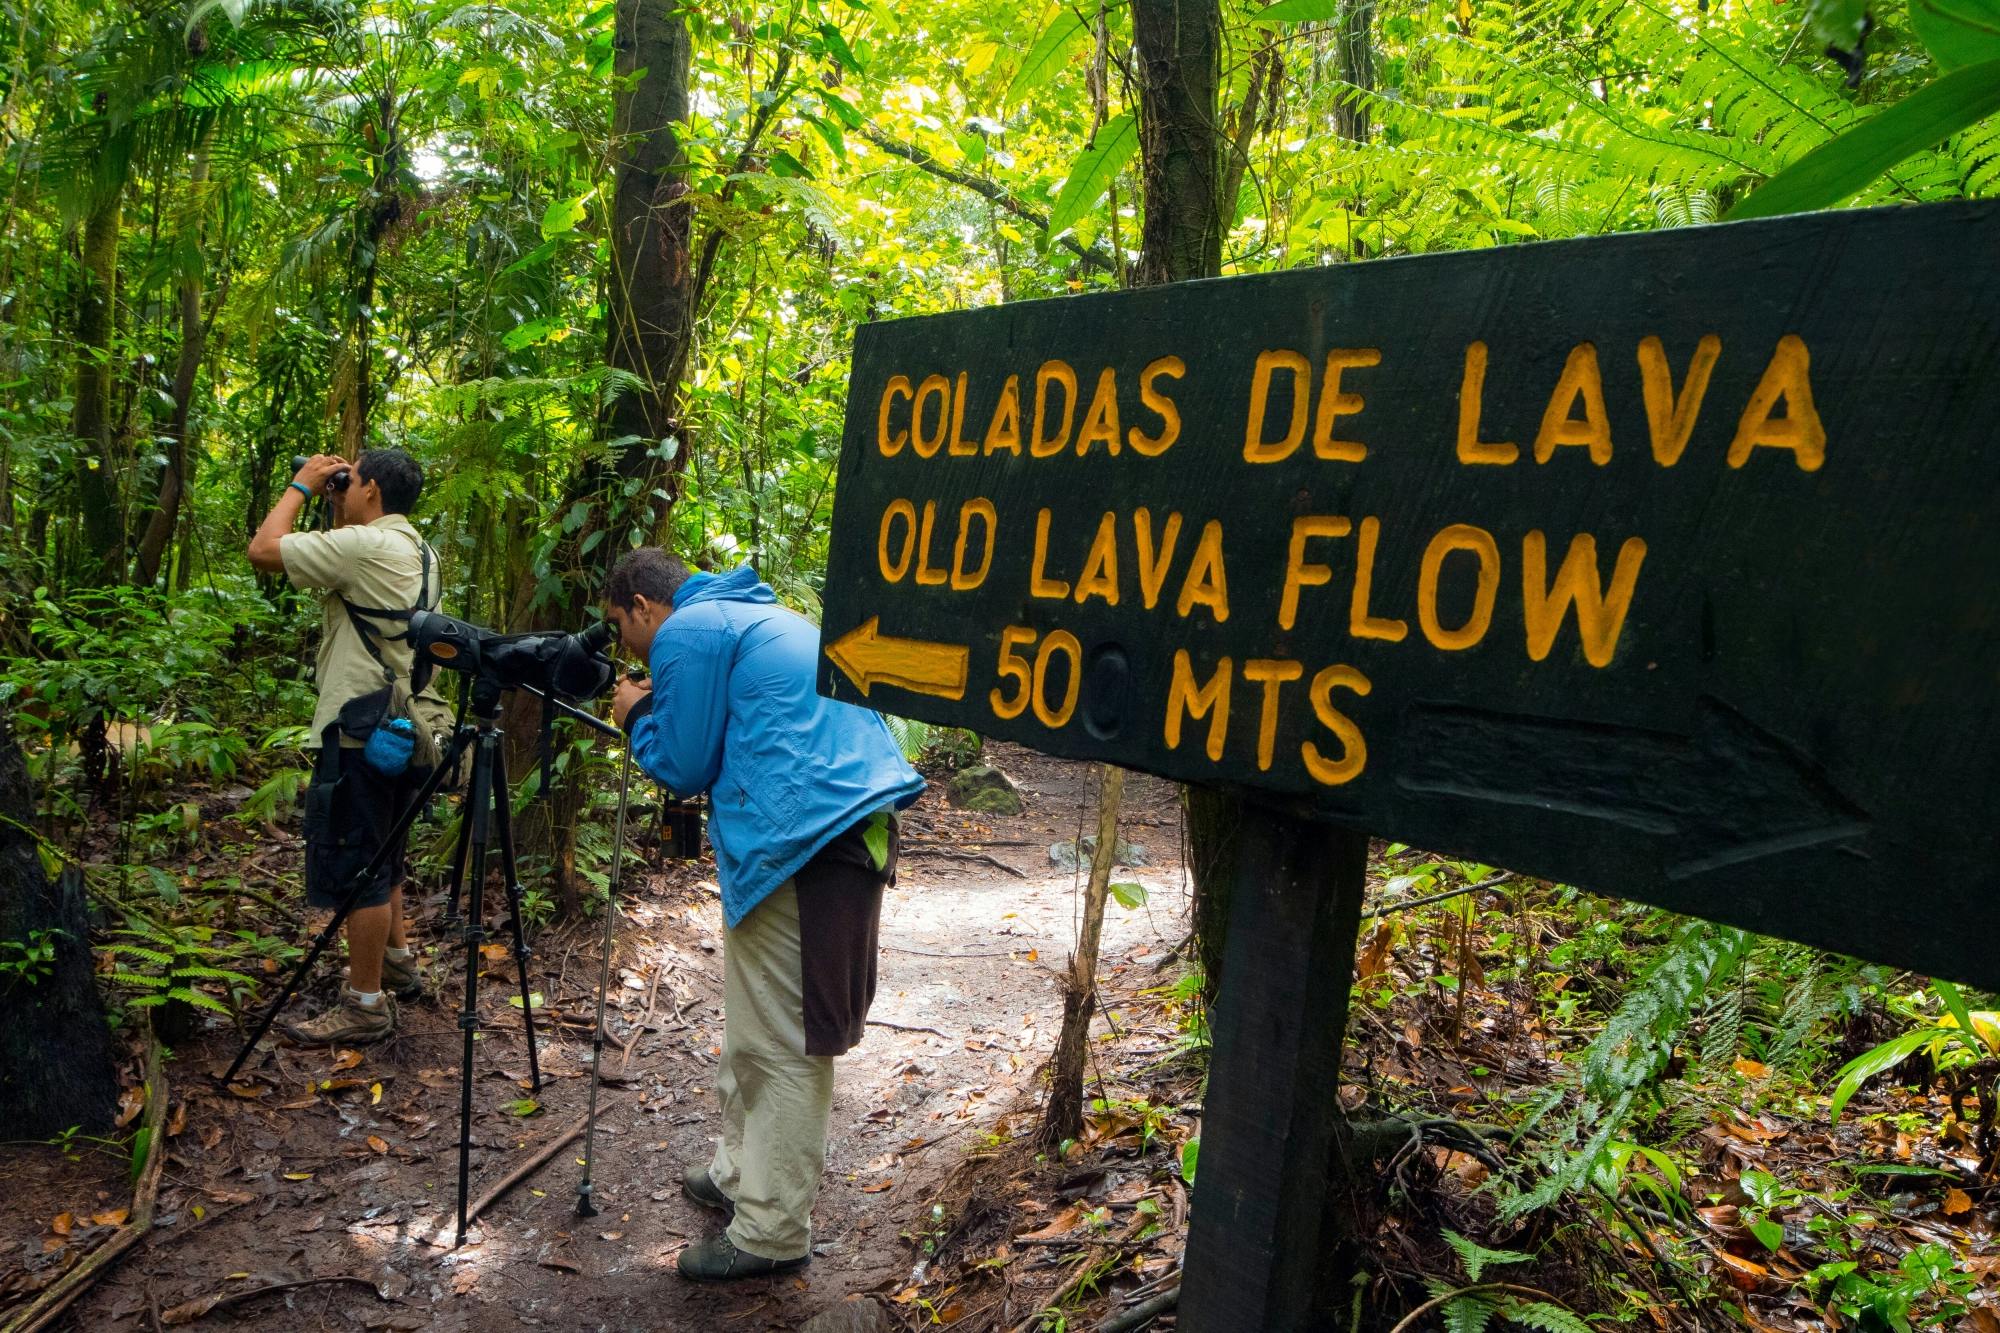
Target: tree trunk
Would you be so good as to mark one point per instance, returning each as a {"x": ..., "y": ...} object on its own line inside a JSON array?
[
  {"x": 1178, "y": 43},
  {"x": 173, "y": 479},
  {"x": 1179, "y": 65},
  {"x": 1357, "y": 67},
  {"x": 649, "y": 304},
  {"x": 98, "y": 470},
  {"x": 56, "y": 1067},
  {"x": 1063, "y": 1118}
]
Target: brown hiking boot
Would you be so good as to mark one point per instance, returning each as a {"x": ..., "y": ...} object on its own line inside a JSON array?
[
  {"x": 349, "y": 1023},
  {"x": 402, "y": 977}
]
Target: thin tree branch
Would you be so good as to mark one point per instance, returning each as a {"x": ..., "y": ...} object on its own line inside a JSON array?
[{"x": 981, "y": 186}]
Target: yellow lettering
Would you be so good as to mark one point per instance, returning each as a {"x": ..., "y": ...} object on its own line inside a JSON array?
[
  {"x": 893, "y": 570},
  {"x": 982, "y": 509},
  {"x": 1038, "y": 584},
  {"x": 1600, "y": 616},
  {"x": 1152, "y": 571},
  {"x": 1800, "y": 429},
  {"x": 1580, "y": 379},
  {"x": 1671, "y": 417},
  {"x": 1271, "y": 674},
  {"x": 1359, "y": 623},
  {"x": 1100, "y": 567},
  {"x": 1257, "y": 449},
  {"x": 1207, "y": 582},
  {"x": 1053, "y": 372},
  {"x": 960, "y": 448},
  {"x": 1354, "y": 749},
  {"x": 1004, "y": 431},
  {"x": 1152, "y": 446},
  {"x": 891, "y": 445},
  {"x": 1210, "y": 701},
  {"x": 1013, "y": 667},
  {"x": 928, "y": 445},
  {"x": 1100, "y": 422},
  {"x": 1300, "y": 573},
  {"x": 1472, "y": 449},
  {"x": 1458, "y": 537},
  {"x": 1058, "y": 640},
  {"x": 926, "y": 576},
  {"x": 1334, "y": 404}
]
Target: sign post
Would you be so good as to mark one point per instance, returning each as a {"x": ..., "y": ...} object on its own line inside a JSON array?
[{"x": 1666, "y": 565}]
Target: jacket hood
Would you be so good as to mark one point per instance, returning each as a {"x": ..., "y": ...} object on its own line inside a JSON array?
[{"x": 738, "y": 585}]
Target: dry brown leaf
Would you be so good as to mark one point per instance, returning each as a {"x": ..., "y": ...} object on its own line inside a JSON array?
[
  {"x": 114, "y": 1218},
  {"x": 346, "y": 1059},
  {"x": 1745, "y": 1274},
  {"x": 1979, "y": 1321},
  {"x": 62, "y": 1223},
  {"x": 1751, "y": 1068},
  {"x": 211, "y": 1138},
  {"x": 378, "y": 1143},
  {"x": 1956, "y": 1201},
  {"x": 247, "y": 1091},
  {"x": 878, "y": 1187},
  {"x": 130, "y": 1102},
  {"x": 1062, "y": 1223}
]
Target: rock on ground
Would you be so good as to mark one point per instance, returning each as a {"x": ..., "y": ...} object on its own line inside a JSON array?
[{"x": 986, "y": 790}]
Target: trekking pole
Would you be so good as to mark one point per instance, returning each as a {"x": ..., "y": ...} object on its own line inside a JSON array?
[{"x": 584, "y": 1206}]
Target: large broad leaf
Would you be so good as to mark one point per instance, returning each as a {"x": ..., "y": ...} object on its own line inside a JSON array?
[
  {"x": 1958, "y": 32},
  {"x": 1297, "y": 11},
  {"x": 1867, "y": 1065},
  {"x": 1836, "y": 169},
  {"x": 1094, "y": 171},
  {"x": 562, "y": 215},
  {"x": 1045, "y": 56}
]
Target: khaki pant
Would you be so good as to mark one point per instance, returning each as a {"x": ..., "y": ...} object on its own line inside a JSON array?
[{"x": 775, "y": 1098}]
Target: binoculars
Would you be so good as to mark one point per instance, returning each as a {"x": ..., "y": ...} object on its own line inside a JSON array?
[{"x": 337, "y": 482}]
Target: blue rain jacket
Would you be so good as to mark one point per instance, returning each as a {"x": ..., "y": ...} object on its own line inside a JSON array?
[{"x": 735, "y": 713}]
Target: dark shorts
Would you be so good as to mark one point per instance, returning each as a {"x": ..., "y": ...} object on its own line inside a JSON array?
[
  {"x": 350, "y": 810},
  {"x": 840, "y": 917}
]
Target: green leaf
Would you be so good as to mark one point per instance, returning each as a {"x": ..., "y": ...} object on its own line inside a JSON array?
[
  {"x": 1297, "y": 11},
  {"x": 523, "y": 1106},
  {"x": 532, "y": 332},
  {"x": 1042, "y": 60},
  {"x": 1954, "y": 1004},
  {"x": 534, "y": 999},
  {"x": 876, "y": 838},
  {"x": 1870, "y": 1063},
  {"x": 1467, "y": 1314},
  {"x": 1838, "y": 22},
  {"x": 1542, "y": 1315},
  {"x": 837, "y": 47},
  {"x": 1094, "y": 171},
  {"x": 562, "y": 215},
  {"x": 1477, "y": 1257},
  {"x": 1843, "y": 165},
  {"x": 1190, "y": 1157},
  {"x": 1130, "y": 894},
  {"x": 1768, "y": 1233},
  {"x": 142, "y": 1142},
  {"x": 1958, "y": 33}
]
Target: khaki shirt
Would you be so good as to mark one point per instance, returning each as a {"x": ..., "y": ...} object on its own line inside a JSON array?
[{"x": 376, "y": 565}]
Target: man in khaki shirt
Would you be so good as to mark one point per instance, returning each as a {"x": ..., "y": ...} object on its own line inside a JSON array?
[{"x": 372, "y": 558}]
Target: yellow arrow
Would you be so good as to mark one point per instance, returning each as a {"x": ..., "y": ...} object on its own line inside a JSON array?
[{"x": 872, "y": 658}]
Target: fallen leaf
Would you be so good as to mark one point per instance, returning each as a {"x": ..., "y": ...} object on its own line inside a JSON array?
[
  {"x": 561, "y": 1265},
  {"x": 115, "y": 1218},
  {"x": 62, "y": 1223},
  {"x": 878, "y": 1187},
  {"x": 247, "y": 1091},
  {"x": 130, "y": 1102},
  {"x": 1751, "y": 1068},
  {"x": 375, "y": 1094},
  {"x": 378, "y": 1143},
  {"x": 1957, "y": 1201},
  {"x": 1062, "y": 1223},
  {"x": 298, "y": 1175},
  {"x": 346, "y": 1059},
  {"x": 178, "y": 1121}
]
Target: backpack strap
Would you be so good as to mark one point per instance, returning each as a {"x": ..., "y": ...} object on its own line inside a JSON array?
[{"x": 360, "y": 616}]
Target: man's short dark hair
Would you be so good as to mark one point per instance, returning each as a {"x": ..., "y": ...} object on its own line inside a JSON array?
[
  {"x": 397, "y": 474},
  {"x": 647, "y": 572}
]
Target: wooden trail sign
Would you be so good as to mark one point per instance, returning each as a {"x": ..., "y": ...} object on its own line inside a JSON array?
[{"x": 1664, "y": 565}]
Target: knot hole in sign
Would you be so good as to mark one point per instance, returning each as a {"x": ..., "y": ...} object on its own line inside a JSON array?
[{"x": 1107, "y": 681}]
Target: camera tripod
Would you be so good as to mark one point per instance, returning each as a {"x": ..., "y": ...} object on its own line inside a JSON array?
[{"x": 485, "y": 814}]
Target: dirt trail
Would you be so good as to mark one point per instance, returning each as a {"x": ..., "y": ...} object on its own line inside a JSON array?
[{"x": 310, "y": 1182}]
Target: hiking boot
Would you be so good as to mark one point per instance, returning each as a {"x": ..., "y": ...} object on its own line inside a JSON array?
[
  {"x": 402, "y": 977},
  {"x": 349, "y": 1023},
  {"x": 718, "y": 1260},
  {"x": 699, "y": 1186}
]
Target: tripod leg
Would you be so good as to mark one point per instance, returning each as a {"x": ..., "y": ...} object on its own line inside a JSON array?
[
  {"x": 367, "y": 874},
  {"x": 503, "y": 819},
  {"x": 460, "y": 854},
  {"x": 478, "y": 807}
]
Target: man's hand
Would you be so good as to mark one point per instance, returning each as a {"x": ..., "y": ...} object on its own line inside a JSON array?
[
  {"x": 630, "y": 692},
  {"x": 313, "y": 476}
]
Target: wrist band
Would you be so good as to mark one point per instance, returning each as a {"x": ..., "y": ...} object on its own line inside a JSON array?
[{"x": 302, "y": 490}]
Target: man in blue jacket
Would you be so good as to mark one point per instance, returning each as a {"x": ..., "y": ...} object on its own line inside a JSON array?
[{"x": 803, "y": 799}]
